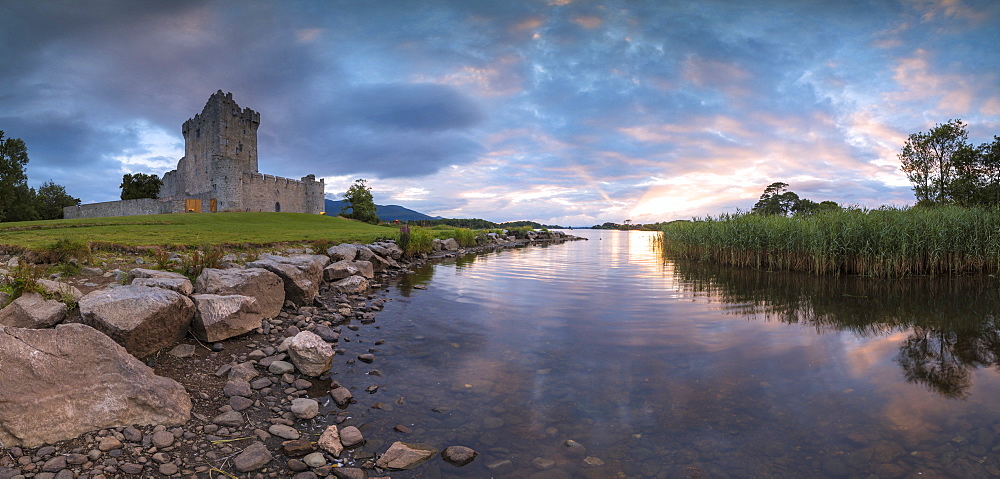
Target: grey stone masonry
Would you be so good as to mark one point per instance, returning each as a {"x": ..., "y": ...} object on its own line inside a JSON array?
[{"x": 219, "y": 170}]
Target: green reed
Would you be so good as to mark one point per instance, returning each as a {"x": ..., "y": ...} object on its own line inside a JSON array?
[{"x": 887, "y": 242}]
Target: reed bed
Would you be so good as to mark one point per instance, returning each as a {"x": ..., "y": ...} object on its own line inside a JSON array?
[{"x": 887, "y": 242}]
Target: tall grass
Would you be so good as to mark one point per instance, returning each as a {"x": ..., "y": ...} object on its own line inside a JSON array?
[{"x": 887, "y": 242}]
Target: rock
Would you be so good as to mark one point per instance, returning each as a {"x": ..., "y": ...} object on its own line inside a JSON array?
[
  {"x": 64, "y": 291},
  {"x": 70, "y": 390},
  {"x": 327, "y": 333},
  {"x": 301, "y": 274},
  {"x": 222, "y": 317},
  {"x": 382, "y": 264},
  {"x": 595, "y": 462},
  {"x": 182, "y": 351},
  {"x": 297, "y": 447},
  {"x": 405, "y": 456},
  {"x": 152, "y": 273},
  {"x": 393, "y": 249},
  {"x": 340, "y": 270},
  {"x": 180, "y": 285},
  {"x": 351, "y": 436},
  {"x": 54, "y": 464},
  {"x": 240, "y": 403},
  {"x": 280, "y": 367},
  {"x": 343, "y": 252},
  {"x": 315, "y": 459},
  {"x": 236, "y": 388},
  {"x": 575, "y": 448},
  {"x": 91, "y": 271},
  {"x": 350, "y": 285},
  {"x": 458, "y": 455},
  {"x": 32, "y": 311},
  {"x": 142, "y": 319},
  {"x": 310, "y": 354},
  {"x": 283, "y": 431},
  {"x": 330, "y": 441},
  {"x": 365, "y": 268},
  {"x": 449, "y": 244},
  {"x": 342, "y": 396},
  {"x": 305, "y": 408},
  {"x": 243, "y": 372},
  {"x": 252, "y": 458},
  {"x": 543, "y": 463},
  {"x": 363, "y": 253},
  {"x": 264, "y": 286},
  {"x": 350, "y": 473},
  {"x": 162, "y": 439},
  {"x": 229, "y": 419}
]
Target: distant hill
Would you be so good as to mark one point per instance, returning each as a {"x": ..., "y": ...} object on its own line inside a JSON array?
[{"x": 384, "y": 212}]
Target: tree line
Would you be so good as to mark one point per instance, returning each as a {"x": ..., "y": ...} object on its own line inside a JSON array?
[{"x": 18, "y": 201}]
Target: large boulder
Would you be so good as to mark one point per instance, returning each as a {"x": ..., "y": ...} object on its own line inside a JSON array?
[
  {"x": 393, "y": 249},
  {"x": 340, "y": 270},
  {"x": 405, "y": 456},
  {"x": 450, "y": 244},
  {"x": 380, "y": 263},
  {"x": 152, "y": 273},
  {"x": 343, "y": 252},
  {"x": 33, "y": 311},
  {"x": 56, "y": 384},
  {"x": 223, "y": 317},
  {"x": 142, "y": 319},
  {"x": 351, "y": 285},
  {"x": 180, "y": 285},
  {"x": 311, "y": 355},
  {"x": 302, "y": 274},
  {"x": 266, "y": 287}
]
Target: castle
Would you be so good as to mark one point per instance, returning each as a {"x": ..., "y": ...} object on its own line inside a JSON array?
[{"x": 218, "y": 172}]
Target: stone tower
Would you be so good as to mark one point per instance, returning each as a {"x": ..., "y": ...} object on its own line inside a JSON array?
[{"x": 219, "y": 172}]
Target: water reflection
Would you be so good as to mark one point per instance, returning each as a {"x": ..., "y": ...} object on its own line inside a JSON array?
[{"x": 950, "y": 323}]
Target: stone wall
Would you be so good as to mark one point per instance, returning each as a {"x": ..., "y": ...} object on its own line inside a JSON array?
[
  {"x": 144, "y": 206},
  {"x": 262, "y": 192}
]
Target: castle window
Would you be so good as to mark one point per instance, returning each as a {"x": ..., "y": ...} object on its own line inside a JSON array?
[
  {"x": 277, "y": 207},
  {"x": 197, "y": 133}
]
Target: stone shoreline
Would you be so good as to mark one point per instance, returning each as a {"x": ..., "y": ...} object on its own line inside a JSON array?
[{"x": 253, "y": 412}]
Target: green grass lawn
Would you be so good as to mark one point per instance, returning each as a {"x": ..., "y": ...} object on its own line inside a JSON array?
[{"x": 191, "y": 230}]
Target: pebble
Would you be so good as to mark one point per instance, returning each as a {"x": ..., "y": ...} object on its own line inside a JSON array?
[
  {"x": 315, "y": 459},
  {"x": 281, "y": 367},
  {"x": 108, "y": 443},
  {"x": 350, "y": 436},
  {"x": 341, "y": 395},
  {"x": 162, "y": 439},
  {"x": 297, "y": 447},
  {"x": 169, "y": 469},
  {"x": 283, "y": 431},
  {"x": 229, "y": 419},
  {"x": 240, "y": 403},
  {"x": 458, "y": 455},
  {"x": 252, "y": 458},
  {"x": 304, "y": 408}
]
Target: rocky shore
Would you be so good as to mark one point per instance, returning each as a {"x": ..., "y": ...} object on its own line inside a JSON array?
[{"x": 234, "y": 374}]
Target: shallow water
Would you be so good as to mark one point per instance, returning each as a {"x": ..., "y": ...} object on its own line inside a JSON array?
[{"x": 664, "y": 369}]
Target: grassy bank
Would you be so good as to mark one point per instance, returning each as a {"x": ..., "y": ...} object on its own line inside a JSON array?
[
  {"x": 191, "y": 230},
  {"x": 883, "y": 243}
]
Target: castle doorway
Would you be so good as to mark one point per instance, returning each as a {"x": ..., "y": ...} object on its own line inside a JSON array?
[
  {"x": 213, "y": 205},
  {"x": 277, "y": 207},
  {"x": 192, "y": 206}
]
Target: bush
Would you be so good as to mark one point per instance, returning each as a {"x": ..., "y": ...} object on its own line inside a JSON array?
[
  {"x": 65, "y": 249},
  {"x": 420, "y": 241},
  {"x": 465, "y": 237}
]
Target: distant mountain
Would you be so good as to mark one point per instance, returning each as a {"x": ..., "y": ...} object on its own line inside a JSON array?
[{"x": 384, "y": 212}]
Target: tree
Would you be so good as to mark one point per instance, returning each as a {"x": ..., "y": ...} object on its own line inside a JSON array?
[
  {"x": 140, "y": 185},
  {"x": 361, "y": 203},
  {"x": 930, "y": 161},
  {"x": 51, "y": 199},
  {"x": 14, "y": 189},
  {"x": 776, "y": 200}
]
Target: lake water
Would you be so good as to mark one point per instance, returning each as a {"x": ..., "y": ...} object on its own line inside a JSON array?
[{"x": 660, "y": 369}]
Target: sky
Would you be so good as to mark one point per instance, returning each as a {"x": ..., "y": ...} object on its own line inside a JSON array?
[{"x": 565, "y": 112}]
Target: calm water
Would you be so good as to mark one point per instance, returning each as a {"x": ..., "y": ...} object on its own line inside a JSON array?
[{"x": 663, "y": 369}]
